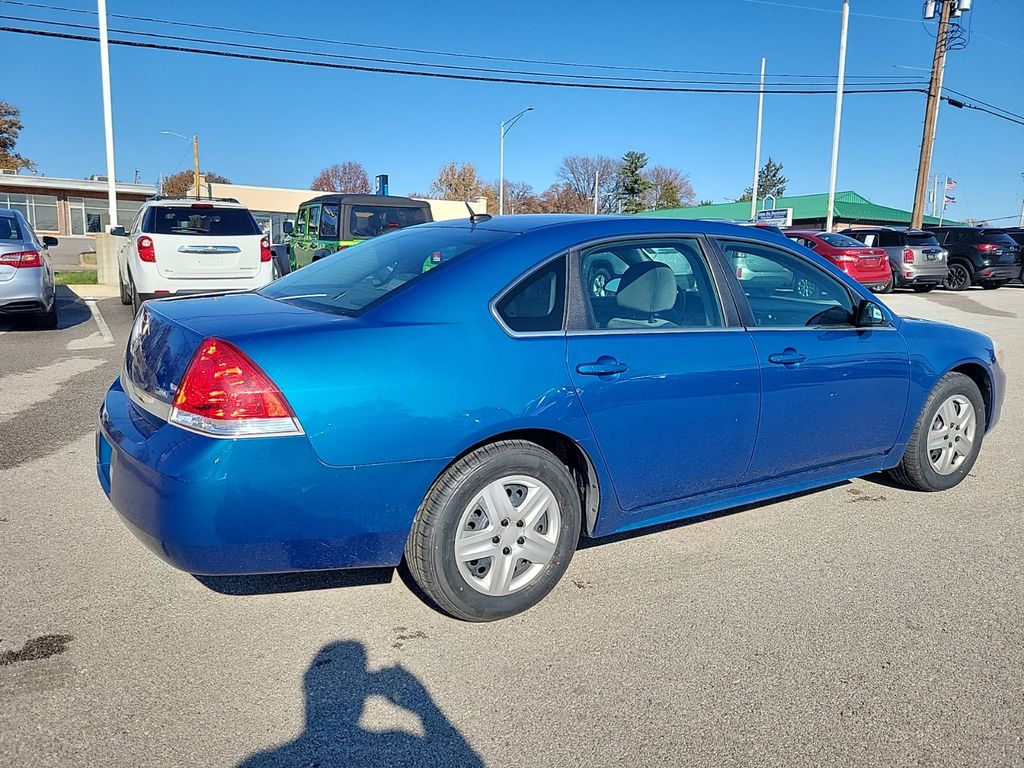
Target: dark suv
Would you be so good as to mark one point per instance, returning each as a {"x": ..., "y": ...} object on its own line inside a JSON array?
[
  {"x": 978, "y": 255},
  {"x": 1017, "y": 234}
]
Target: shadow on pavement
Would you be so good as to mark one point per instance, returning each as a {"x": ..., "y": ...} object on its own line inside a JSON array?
[
  {"x": 280, "y": 583},
  {"x": 337, "y": 687},
  {"x": 71, "y": 311}
]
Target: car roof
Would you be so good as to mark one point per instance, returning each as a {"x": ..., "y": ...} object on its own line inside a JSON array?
[
  {"x": 353, "y": 199},
  {"x": 188, "y": 202}
]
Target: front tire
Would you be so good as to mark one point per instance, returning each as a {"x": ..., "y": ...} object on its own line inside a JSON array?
[
  {"x": 496, "y": 531},
  {"x": 136, "y": 298},
  {"x": 947, "y": 436},
  {"x": 126, "y": 296}
]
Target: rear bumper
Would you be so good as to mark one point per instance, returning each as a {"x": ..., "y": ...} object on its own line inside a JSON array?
[
  {"x": 261, "y": 505},
  {"x": 997, "y": 272},
  {"x": 29, "y": 291}
]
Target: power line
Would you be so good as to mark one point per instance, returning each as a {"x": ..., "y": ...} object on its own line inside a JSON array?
[
  {"x": 965, "y": 105},
  {"x": 447, "y": 75},
  {"x": 251, "y": 46},
  {"x": 993, "y": 106},
  {"x": 304, "y": 38}
]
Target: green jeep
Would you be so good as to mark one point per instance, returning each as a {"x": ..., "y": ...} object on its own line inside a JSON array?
[{"x": 334, "y": 222}]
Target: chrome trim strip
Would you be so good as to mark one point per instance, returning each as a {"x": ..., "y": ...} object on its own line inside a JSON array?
[
  {"x": 209, "y": 249},
  {"x": 144, "y": 400}
]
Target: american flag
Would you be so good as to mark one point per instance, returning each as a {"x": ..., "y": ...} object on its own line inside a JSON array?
[
  {"x": 950, "y": 200},
  {"x": 950, "y": 184}
]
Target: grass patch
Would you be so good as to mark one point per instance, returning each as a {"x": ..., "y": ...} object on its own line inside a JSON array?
[{"x": 76, "y": 277}]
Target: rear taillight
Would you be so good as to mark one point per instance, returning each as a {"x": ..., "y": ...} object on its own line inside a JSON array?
[
  {"x": 739, "y": 273},
  {"x": 908, "y": 256},
  {"x": 265, "y": 253},
  {"x": 146, "y": 250},
  {"x": 225, "y": 394},
  {"x": 986, "y": 247},
  {"x": 21, "y": 259}
]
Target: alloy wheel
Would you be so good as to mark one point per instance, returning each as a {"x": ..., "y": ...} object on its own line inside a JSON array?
[
  {"x": 951, "y": 435},
  {"x": 958, "y": 278},
  {"x": 805, "y": 289},
  {"x": 507, "y": 535}
]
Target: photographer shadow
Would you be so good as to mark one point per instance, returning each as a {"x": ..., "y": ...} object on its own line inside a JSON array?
[{"x": 337, "y": 686}]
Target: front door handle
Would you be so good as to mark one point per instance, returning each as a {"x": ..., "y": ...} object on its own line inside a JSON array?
[
  {"x": 788, "y": 357},
  {"x": 603, "y": 366}
]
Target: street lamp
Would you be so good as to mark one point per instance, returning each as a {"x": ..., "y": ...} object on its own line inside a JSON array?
[
  {"x": 195, "y": 156},
  {"x": 506, "y": 125}
]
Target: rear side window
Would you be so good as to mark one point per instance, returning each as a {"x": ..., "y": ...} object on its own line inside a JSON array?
[
  {"x": 9, "y": 229},
  {"x": 200, "y": 219},
  {"x": 537, "y": 303},
  {"x": 372, "y": 220},
  {"x": 329, "y": 222}
]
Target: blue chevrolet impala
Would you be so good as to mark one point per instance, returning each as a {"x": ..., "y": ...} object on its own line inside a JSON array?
[{"x": 475, "y": 396}]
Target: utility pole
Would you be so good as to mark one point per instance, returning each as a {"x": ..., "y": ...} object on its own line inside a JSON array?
[
  {"x": 931, "y": 115},
  {"x": 1022, "y": 208},
  {"x": 195, "y": 164},
  {"x": 757, "y": 146},
  {"x": 108, "y": 119},
  {"x": 840, "y": 82},
  {"x": 597, "y": 175}
]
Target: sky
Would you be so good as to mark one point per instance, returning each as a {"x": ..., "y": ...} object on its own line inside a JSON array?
[{"x": 274, "y": 124}]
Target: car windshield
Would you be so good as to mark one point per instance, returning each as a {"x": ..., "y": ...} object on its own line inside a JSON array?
[
  {"x": 350, "y": 281},
  {"x": 997, "y": 236},
  {"x": 922, "y": 241},
  {"x": 201, "y": 219},
  {"x": 840, "y": 241},
  {"x": 373, "y": 220},
  {"x": 9, "y": 229}
]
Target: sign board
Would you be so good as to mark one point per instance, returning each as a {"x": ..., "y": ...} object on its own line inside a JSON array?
[
  {"x": 779, "y": 217},
  {"x": 380, "y": 184}
]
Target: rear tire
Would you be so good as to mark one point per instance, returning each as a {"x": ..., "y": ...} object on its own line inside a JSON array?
[
  {"x": 888, "y": 287},
  {"x": 136, "y": 299},
  {"x": 924, "y": 288},
  {"x": 478, "y": 499},
  {"x": 936, "y": 434},
  {"x": 126, "y": 296},
  {"x": 959, "y": 277}
]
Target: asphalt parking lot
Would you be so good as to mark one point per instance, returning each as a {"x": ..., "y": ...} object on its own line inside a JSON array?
[{"x": 859, "y": 625}]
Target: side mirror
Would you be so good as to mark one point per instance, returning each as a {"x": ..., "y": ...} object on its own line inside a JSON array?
[
  {"x": 288, "y": 226},
  {"x": 320, "y": 253},
  {"x": 49, "y": 240},
  {"x": 118, "y": 232},
  {"x": 869, "y": 314}
]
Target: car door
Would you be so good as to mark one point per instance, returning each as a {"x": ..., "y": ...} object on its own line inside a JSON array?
[
  {"x": 667, "y": 377},
  {"x": 831, "y": 392},
  {"x": 299, "y": 243}
]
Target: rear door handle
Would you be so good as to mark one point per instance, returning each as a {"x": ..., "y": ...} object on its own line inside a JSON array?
[
  {"x": 789, "y": 356},
  {"x": 603, "y": 366}
]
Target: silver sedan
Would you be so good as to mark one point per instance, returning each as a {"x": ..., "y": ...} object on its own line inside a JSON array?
[{"x": 26, "y": 276}]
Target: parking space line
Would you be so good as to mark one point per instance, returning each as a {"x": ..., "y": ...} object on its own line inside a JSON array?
[{"x": 100, "y": 322}]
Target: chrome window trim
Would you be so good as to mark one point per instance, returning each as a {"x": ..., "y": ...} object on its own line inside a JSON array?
[{"x": 659, "y": 331}]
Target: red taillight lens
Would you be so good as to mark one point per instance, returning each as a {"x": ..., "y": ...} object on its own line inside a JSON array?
[
  {"x": 908, "y": 256},
  {"x": 225, "y": 394},
  {"x": 265, "y": 253},
  {"x": 21, "y": 259},
  {"x": 986, "y": 247},
  {"x": 146, "y": 250}
]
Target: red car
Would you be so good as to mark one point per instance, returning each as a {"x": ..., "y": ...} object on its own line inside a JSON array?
[{"x": 868, "y": 266}]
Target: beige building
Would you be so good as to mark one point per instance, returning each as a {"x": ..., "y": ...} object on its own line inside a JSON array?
[{"x": 272, "y": 206}]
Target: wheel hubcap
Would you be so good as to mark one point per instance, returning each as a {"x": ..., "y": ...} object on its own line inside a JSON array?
[
  {"x": 951, "y": 436},
  {"x": 805, "y": 288},
  {"x": 957, "y": 276},
  {"x": 507, "y": 535}
]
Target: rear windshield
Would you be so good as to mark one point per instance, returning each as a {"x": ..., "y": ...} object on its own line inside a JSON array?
[
  {"x": 922, "y": 241},
  {"x": 9, "y": 229},
  {"x": 199, "y": 220},
  {"x": 997, "y": 236},
  {"x": 350, "y": 281},
  {"x": 840, "y": 241},
  {"x": 372, "y": 220}
]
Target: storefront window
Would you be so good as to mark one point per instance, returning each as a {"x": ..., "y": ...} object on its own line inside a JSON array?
[
  {"x": 40, "y": 210},
  {"x": 91, "y": 214}
]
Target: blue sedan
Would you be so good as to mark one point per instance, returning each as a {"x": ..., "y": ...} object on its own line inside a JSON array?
[{"x": 466, "y": 396}]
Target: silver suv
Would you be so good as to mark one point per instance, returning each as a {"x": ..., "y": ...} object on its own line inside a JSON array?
[
  {"x": 26, "y": 276},
  {"x": 916, "y": 258}
]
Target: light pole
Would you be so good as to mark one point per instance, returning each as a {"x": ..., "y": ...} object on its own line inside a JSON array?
[
  {"x": 838, "y": 118},
  {"x": 757, "y": 146},
  {"x": 506, "y": 125},
  {"x": 108, "y": 119},
  {"x": 195, "y": 156}
]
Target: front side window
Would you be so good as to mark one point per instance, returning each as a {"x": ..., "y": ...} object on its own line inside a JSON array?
[
  {"x": 650, "y": 285},
  {"x": 787, "y": 291},
  {"x": 537, "y": 303},
  {"x": 300, "y": 222},
  {"x": 349, "y": 282},
  {"x": 314, "y": 221}
]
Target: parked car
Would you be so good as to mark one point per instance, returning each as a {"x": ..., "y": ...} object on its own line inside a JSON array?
[
  {"x": 915, "y": 257},
  {"x": 868, "y": 266},
  {"x": 475, "y": 416},
  {"x": 332, "y": 223},
  {"x": 26, "y": 275},
  {"x": 176, "y": 247},
  {"x": 978, "y": 256},
  {"x": 1017, "y": 234}
]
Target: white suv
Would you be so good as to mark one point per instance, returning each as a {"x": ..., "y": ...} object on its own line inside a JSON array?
[{"x": 180, "y": 246}]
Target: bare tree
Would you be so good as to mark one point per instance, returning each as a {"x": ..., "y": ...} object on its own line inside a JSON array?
[
  {"x": 178, "y": 184},
  {"x": 670, "y": 188},
  {"x": 457, "y": 182},
  {"x": 578, "y": 171},
  {"x": 348, "y": 177},
  {"x": 519, "y": 197},
  {"x": 561, "y": 197}
]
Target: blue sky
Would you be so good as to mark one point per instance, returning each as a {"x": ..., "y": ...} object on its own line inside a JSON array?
[{"x": 277, "y": 125}]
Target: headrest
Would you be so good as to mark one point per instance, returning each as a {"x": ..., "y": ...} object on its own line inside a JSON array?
[{"x": 647, "y": 287}]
